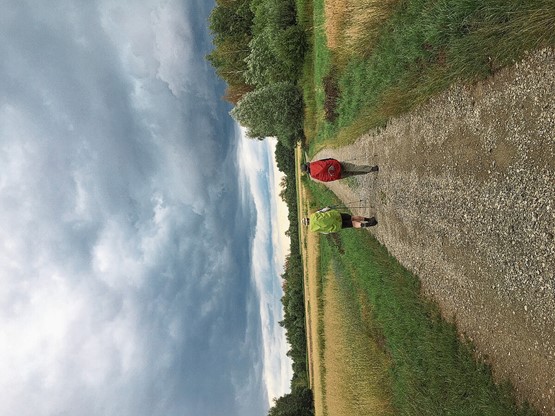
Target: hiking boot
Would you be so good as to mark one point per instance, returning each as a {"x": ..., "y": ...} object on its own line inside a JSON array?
[{"x": 370, "y": 223}]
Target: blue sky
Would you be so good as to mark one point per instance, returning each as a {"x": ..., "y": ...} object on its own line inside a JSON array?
[{"x": 141, "y": 236}]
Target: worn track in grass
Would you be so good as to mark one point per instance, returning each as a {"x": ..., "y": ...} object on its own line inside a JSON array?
[{"x": 465, "y": 198}]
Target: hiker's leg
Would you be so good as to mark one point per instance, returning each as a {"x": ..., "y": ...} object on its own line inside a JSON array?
[
  {"x": 357, "y": 221},
  {"x": 350, "y": 169}
]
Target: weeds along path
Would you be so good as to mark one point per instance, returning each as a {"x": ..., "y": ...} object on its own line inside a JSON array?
[{"x": 465, "y": 198}]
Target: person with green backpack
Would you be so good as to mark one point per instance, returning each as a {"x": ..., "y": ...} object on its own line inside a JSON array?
[{"x": 329, "y": 220}]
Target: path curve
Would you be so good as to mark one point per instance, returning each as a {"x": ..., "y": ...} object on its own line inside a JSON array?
[{"x": 465, "y": 198}]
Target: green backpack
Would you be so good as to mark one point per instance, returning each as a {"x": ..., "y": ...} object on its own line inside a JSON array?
[{"x": 325, "y": 222}]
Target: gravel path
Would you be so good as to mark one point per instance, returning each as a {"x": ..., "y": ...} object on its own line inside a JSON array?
[{"x": 465, "y": 198}]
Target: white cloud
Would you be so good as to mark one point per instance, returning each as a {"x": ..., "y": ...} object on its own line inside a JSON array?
[
  {"x": 269, "y": 250},
  {"x": 59, "y": 343},
  {"x": 121, "y": 235},
  {"x": 174, "y": 42},
  {"x": 156, "y": 40}
]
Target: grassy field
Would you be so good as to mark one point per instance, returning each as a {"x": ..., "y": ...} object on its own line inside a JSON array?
[
  {"x": 371, "y": 60},
  {"x": 374, "y": 59},
  {"x": 413, "y": 361},
  {"x": 352, "y": 351},
  {"x": 348, "y": 367}
]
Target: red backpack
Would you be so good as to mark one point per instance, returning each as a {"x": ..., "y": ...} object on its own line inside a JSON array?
[{"x": 325, "y": 170}]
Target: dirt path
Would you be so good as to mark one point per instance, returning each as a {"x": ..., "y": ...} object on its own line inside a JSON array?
[
  {"x": 309, "y": 244},
  {"x": 465, "y": 198}
]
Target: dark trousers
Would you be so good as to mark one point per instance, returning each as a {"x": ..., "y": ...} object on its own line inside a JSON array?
[{"x": 350, "y": 169}]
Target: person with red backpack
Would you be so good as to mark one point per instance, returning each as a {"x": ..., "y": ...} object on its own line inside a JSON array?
[
  {"x": 329, "y": 220},
  {"x": 327, "y": 170}
]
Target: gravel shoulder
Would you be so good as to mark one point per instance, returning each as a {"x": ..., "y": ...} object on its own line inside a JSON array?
[{"x": 465, "y": 199}]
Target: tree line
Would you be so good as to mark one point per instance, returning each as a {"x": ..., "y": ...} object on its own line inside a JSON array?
[
  {"x": 259, "y": 50},
  {"x": 300, "y": 401}
]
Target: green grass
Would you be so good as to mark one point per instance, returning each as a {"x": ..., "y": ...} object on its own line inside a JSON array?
[
  {"x": 364, "y": 360},
  {"x": 317, "y": 64},
  {"x": 422, "y": 49},
  {"x": 433, "y": 372},
  {"x": 305, "y": 17},
  {"x": 359, "y": 364},
  {"x": 425, "y": 46}
]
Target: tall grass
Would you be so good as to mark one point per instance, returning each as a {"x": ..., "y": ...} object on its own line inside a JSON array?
[
  {"x": 433, "y": 371},
  {"x": 417, "y": 48},
  {"x": 356, "y": 367},
  {"x": 353, "y": 26},
  {"x": 317, "y": 65}
]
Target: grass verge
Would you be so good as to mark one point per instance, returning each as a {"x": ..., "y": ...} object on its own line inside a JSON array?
[
  {"x": 419, "y": 49},
  {"x": 433, "y": 371}
]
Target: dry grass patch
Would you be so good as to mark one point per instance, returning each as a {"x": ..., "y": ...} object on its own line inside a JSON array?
[
  {"x": 352, "y": 26},
  {"x": 336, "y": 14},
  {"x": 356, "y": 370},
  {"x": 312, "y": 315}
]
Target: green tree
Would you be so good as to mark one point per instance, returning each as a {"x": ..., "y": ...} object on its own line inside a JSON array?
[
  {"x": 264, "y": 66},
  {"x": 274, "y": 110},
  {"x": 228, "y": 58},
  {"x": 279, "y": 14},
  {"x": 289, "y": 45},
  {"x": 297, "y": 403},
  {"x": 285, "y": 159},
  {"x": 231, "y": 19},
  {"x": 231, "y": 23},
  {"x": 275, "y": 55}
]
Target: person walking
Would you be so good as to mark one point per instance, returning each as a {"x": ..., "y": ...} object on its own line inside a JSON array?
[
  {"x": 329, "y": 169},
  {"x": 329, "y": 220}
]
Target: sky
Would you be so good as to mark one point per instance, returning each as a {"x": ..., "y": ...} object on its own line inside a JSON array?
[{"x": 141, "y": 235}]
